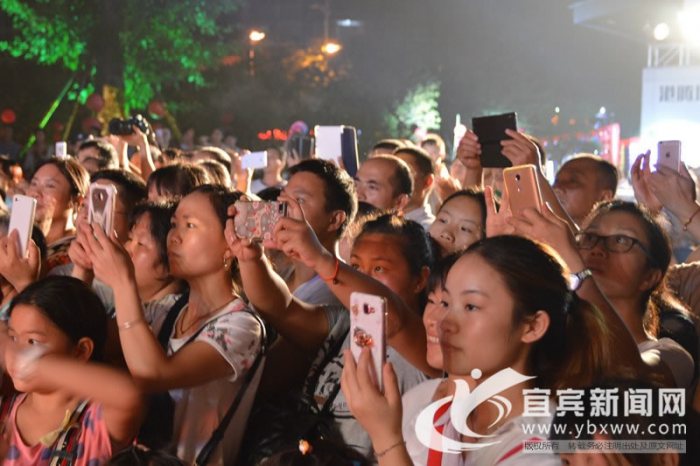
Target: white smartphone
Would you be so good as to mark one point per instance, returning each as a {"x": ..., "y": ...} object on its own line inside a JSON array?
[
  {"x": 368, "y": 330},
  {"x": 101, "y": 198},
  {"x": 329, "y": 142},
  {"x": 669, "y": 154},
  {"x": 254, "y": 160},
  {"x": 61, "y": 150},
  {"x": 22, "y": 220}
]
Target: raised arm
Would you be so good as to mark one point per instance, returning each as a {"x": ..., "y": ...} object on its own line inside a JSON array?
[
  {"x": 197, "y": 363},
  {"x": 115, "y": 390}
]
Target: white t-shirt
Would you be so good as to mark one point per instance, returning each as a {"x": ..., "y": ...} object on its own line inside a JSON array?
[
  {"x": 510, "y": 436},
  {"x": 236, "y": 335}
]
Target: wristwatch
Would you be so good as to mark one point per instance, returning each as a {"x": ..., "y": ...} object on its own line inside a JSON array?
[{"x": 577, "y": 279}]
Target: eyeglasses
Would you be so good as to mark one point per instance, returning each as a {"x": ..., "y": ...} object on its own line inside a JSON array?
[{"x": 612, "y": 243}]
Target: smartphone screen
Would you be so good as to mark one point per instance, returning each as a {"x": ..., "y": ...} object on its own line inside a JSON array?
[{"x": 491, "y": 130}]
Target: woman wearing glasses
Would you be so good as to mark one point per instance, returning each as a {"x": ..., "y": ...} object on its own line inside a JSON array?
[{"x": 629, "y": 254}]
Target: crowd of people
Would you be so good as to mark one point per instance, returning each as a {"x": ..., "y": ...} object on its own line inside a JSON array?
[{"x": 171, "y": 340}]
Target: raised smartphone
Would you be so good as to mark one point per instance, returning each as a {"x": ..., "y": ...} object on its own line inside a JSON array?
[
  {"x": 61, "y": 150},
  {"x": 670, "y": 154},
  {"x": 368, "y": 330},
  {"x": 256, "y": 220},
  {"x": 101, "y": 198},
  {"x": 254, "y": 160},
  {"x": 22, "y": 220},
  {"x": 491, "y": 130},
  {"x": 521, "y": 184}
]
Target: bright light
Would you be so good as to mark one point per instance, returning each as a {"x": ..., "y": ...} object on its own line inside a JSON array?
[
  {"x": 556, "y": 109},
  {"x": 331, "y": 48},
  {"x": 602, "y": 111},
  {"x": 662, "y": 31},
  {"x": 256, "y": 35},
  {"x": 689, "y": 20}
]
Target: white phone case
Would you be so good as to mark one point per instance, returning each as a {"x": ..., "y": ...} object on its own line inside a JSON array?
[
  {"x": 61, "y": 150},
  {"x": 670, "y": 154},
  {"x": 101, "y": 206},
  {"x": 254, "y": 160},
  {"x": 368, "y": 329},
  {"x": 22, "y": 220}
]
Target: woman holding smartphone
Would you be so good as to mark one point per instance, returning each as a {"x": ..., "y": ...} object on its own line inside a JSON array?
[
  {"x": 214, "y": 339},
  {"x": 59, "y": 187}
]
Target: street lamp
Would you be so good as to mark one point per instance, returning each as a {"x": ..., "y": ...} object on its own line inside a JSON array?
[
  {"x": 331, "y": 47},
  {"x": 255, "y": 36}
]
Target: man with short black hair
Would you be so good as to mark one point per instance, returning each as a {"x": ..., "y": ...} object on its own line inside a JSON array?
[
  {"x": 385, "y": 182},
  {"x": 385, "y": 147},
  {"x": 423, "y": 171},
  {"x": 96, "y": 155},
  {"x": 583, "y": 181}
]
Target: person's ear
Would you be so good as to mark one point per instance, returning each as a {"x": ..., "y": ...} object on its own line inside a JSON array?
[
  {"x": 535, "y": 327},
  {"x": 337, "y": 220},
  {"x": 429, "y": 182},
  {"x": 652, "y": 280},
  {"x": 606, "y": 195},
  {"x": 422, "y": 280},
  {"x": 401, "y": 202},
  {"x": 84, "y": 349}
]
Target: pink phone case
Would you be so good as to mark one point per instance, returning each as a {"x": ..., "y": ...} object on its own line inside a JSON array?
[
  {"x": 368, "y": 329},
  {"x": 670, "y": 154},
  {"x": 256, "y": 220},
  {"x": 22, "y": 220},
  {"x": 523, "y": 188},
  {"x": 101, "y": 206}
]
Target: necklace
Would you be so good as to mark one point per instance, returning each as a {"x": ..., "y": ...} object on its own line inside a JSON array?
[{"x": 182, "y": 330}]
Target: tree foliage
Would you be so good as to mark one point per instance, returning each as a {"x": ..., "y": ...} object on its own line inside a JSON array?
[
  {"x": 160, "y": 43},
  {"x": 419, "y": 107}
]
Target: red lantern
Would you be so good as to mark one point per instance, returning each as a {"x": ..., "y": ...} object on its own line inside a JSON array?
[
  {"x": 157, "y": 108},
  {"x": 95, "y": 102},
  {"x": 8, "y": 116}
]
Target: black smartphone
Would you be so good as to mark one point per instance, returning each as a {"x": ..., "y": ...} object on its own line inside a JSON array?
[
  {"x": 491, "y": 130},
  {"x": 350, "y": 155}
]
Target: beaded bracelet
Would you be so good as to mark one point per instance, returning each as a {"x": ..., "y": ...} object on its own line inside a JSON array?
[{"x": 387, "y": 450}]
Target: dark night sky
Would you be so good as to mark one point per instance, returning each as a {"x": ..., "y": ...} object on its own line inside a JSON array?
[{"x": 525, "y": 55}]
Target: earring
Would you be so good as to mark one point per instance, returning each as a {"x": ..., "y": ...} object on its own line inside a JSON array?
[{"x": 226, "y": 263}]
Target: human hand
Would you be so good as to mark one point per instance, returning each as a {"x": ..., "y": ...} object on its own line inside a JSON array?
[
  {"x": 76, "y": 251},
  {"x": 520, "y": 150},
  {"x": 640, "y": 174},
  {"x": 110, "y": 261},
  {"x": 497, "y": 220},
  {"x": 674, "y": 190},
  {"x": 446, "y": 186},
  {"x": 18, "y": 270},
  {"x": 378, "y": 413},
  {"x": 243, "y": 249},
  {"x": 294, "y": 236}
]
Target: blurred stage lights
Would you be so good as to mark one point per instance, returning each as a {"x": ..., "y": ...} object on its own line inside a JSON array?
[
  {"x": 331, "y": 48},
  {"x": 662, "y": 31},
  {"x": 689, "y": 20},
  {"x": 256, "y": 35}
]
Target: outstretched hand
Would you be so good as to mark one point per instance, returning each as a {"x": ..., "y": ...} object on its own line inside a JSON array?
[
  {"x": 18, "y": 270},
  {"x": 294, "y": 236},
  {"x": 110, "y": 261},
  {"x": 497, "y": 219},
  {"x": 378, "y": 413},
  {"x": 640, "y": 176}
]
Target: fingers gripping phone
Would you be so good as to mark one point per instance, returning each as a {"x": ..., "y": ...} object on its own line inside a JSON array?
[
  {"x": 368, "y": 330},
  {"x": 22, "y": 220},
  {"x": 491, "y": 130},
  {"x": 670, "y": 154},
  {"x": 101, "y": 199},
  {"x": 256, "y": 220},
  {"x": 521, "y": 184}
]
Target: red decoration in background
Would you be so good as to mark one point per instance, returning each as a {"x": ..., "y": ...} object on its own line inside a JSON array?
[
  {"x": 95, "y": 102},
  {"x": 276, "y": 134},
  {"x": 157, "y": 108},
  {"x": 8, "y": 116},
  {"x": 230, "y": 60}
]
